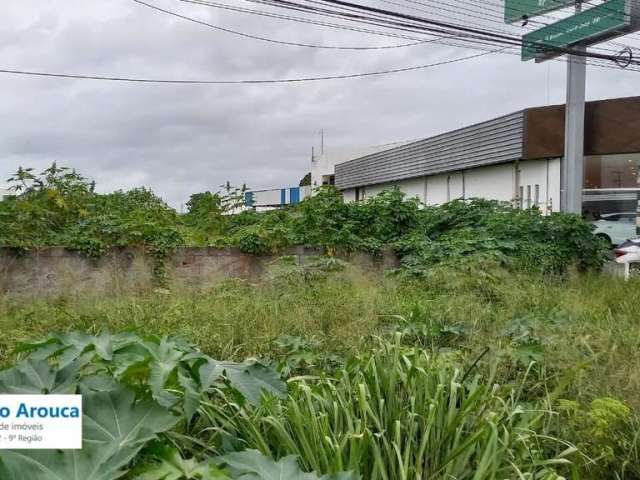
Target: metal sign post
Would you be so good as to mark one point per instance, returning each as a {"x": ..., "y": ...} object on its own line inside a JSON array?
[
  {"x": 600, "y": 23},
  {"x": 608, "y": 20},
  {"x": 573, "y": 162}
]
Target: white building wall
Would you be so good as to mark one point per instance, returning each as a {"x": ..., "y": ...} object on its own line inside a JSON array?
[
  {"x": 267, "y": 197},
  {"x": 553, "y": 186},
  {"x": 414, "y": 188},
  {"x": 455, "y": 187},
  {"x": 305, "y": 192},
  {"x": 542, "y": 176},
  {"x": 437, "y": 190},
  {"x": 349, "y": 195},
  {"x": 373, "y": 190},
  {"x": 495, "y": 182}
]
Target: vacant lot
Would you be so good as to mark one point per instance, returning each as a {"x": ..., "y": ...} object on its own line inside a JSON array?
[
  {"x": 570, "y": 343},
  {"x": 496, "y": 351}
]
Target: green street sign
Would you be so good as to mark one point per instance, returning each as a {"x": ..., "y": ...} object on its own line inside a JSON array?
[
  {"x": 515, "y": 10},
  {"x": 599, "y": 23}
]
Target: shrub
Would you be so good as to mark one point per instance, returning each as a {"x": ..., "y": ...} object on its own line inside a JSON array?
[
  {"x": 60, "y": 207},
  {"x": 607, "y": 432}
]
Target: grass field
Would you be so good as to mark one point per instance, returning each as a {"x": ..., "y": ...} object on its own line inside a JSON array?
[
  {"x": 572, "y": 340},
  {"x": 590, "y": 323}
]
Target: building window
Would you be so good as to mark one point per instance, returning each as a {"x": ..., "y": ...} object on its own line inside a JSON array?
[
  {"x": 328, "y": 180},
  {"x": 536, "y": 200},
  {"x": 611, "y": 196}
]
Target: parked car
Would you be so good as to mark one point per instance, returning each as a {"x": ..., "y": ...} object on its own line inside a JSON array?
[
  {"x": 616, "y": 227},
  {"x": 628, "y": 254}
]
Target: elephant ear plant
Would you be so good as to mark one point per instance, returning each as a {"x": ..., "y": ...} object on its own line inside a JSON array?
[{"x": 134, "y": 389}]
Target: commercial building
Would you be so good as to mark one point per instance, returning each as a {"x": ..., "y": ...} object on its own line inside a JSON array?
[
  {"x": 323, "y": 163},
  {"x": 263, "y": 200},
  {"x": 515, "y": 158}
]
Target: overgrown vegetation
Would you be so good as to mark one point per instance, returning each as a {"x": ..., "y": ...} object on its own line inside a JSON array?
[
  {"x": 497, "y": 351},
  {"x": 551, "y": 363},
  {"x": 60, "y": 207}
]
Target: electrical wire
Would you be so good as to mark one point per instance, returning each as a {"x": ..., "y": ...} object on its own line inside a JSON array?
[
  {"x": 241, "y": 82},
  {"x": 499, "y": 18},
  {"x": 380, "y": 17},
  {"x": 440, "y": 6},
  {"x": 271, "y": 40},
  {"x": 297, "y": 19},
  {"x": 408, "y": 26},
  {"x": 340, "y": 26},
  {"x": 399, "y": 20}
]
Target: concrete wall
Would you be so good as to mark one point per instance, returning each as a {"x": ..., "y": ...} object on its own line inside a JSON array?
[{"x": 55, "y": 271}]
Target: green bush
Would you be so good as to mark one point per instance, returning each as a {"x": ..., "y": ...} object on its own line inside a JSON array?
[
  {"x": 607, "y": 432},
  {"x": 59, "y": 207}
]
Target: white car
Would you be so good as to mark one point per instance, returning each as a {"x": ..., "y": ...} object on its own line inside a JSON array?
[
  {"x": 616, "y": 227},
  {"x": 627, "y": 253}
]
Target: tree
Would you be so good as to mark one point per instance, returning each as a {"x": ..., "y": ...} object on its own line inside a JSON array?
[{"x": 306, "y": 180}]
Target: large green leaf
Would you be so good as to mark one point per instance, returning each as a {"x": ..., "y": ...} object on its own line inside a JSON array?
[
  {"x": 165, "y": 366},
  {"x": 249, "y": 378},
  {"x": 69, "y": 346},
  {"x": 32, "y": 377},
  {"x": 171, "y": 466},
  {"x": 165, "y": 359},
  {"x": 252, "y": 465},
  {"x": 115, "y": 428}
]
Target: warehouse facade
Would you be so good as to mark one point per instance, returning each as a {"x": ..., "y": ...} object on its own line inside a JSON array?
[{"x": 514, "y": 158}]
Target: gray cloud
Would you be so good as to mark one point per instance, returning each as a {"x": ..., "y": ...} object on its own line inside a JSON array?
[{"x": 183, "y": 139}]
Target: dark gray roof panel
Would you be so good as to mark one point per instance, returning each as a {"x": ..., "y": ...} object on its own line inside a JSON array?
[{"x": 495, "y": 141}]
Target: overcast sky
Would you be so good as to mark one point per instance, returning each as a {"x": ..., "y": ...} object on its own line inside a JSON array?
[{"x": 182, "y": 139}]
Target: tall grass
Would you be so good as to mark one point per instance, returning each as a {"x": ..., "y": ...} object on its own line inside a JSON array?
[
  {"x": 583, "y": 331},
  {"x": 399, "y": 414},
  {"x": 587, "y": 323}
]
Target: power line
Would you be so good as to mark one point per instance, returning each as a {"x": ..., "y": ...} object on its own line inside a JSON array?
[
  {"x": 437, "y": 26},
  {"x": 271, "y": 40},
  {"x": 499, "y": 18},
  {"x": 371, "y": 20},
  {"x": 479, "y": 35},
  {"x": 438, "y": 39},
  {"x": 240, "y": 82},
  {"x": 415, "y": 25},
  {"x": 441, "y": 6},
  {"x": 297, "y": 19}
]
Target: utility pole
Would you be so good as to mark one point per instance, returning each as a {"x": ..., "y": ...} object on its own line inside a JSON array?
[{"x": 573, "y": 162}]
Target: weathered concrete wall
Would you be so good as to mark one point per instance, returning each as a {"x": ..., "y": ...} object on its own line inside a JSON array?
[{"x": 55, "y": 271}]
